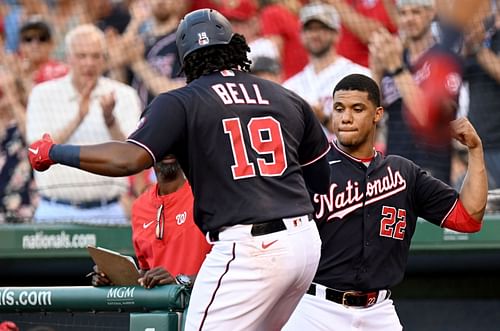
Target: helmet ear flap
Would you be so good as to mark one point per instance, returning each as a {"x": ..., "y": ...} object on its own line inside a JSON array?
[{"x": 202, "y": 28}]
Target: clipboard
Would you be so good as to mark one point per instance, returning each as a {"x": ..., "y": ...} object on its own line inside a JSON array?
[{"x": 120, "y": 269}]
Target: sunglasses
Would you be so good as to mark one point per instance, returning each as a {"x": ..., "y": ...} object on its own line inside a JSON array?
[
  {"x": 40, "y": 39},
  {"x": 160, "y": 223}
]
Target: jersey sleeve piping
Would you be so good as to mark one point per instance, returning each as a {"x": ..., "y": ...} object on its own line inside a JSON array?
[
  {"x": 317, "y": 158},
  {"x": 448, "y": 213},
  {"x": 143, "y": 146}
]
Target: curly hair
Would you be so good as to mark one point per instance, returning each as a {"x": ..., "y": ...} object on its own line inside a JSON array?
[{"x": 218, "y": 57}]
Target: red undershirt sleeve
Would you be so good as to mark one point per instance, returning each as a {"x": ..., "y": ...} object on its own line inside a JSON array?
[{"x": 460, "y": 220}]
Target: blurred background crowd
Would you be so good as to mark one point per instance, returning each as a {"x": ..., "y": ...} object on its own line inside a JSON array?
[{"x": 84, "y": 70}]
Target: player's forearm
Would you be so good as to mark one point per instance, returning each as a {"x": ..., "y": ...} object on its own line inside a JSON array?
[
  {"x": 114, "y": 159},
  {"x": 474, "y": 192}
]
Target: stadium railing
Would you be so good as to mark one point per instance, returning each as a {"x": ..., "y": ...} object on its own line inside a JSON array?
[{"x": 95, "y": 308}]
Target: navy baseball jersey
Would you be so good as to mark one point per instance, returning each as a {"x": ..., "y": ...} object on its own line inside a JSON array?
[
  {"x": 241, "y": 142},
  {"x": 367, "y": 219}
]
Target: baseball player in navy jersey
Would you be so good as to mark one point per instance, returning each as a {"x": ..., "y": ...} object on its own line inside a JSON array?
[
  {"x": 250, "y": 150},
  {"x": 368, "y": 217}
]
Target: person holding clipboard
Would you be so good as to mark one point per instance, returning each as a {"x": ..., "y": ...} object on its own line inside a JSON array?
[{"x": 168, "y": 245}]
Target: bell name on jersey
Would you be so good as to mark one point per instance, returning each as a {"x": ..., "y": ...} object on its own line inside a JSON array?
[{"x": 237, "y": 93}]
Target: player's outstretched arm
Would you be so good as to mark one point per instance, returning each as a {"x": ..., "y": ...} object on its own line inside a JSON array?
[
  {"x": 474, "y": 192},
  {"x": 114, "y": 158}
]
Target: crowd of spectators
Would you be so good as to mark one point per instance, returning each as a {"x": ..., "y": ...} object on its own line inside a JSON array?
[{"x": 84, "y": 71}]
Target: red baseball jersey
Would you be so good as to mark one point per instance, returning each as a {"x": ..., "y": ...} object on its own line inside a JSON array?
[{"x": 183, "y": 247}]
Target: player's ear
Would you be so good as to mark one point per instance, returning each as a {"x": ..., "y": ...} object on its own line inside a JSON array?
[{"x": 379, "y": 114}]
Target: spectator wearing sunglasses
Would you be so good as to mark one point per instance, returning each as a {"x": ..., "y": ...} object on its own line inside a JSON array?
[
  {"x": 35, "y": 47},
  {"x": 167, "y": 243}
]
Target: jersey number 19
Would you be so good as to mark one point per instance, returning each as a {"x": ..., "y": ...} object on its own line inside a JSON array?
[{"x": 266, "y": 138}]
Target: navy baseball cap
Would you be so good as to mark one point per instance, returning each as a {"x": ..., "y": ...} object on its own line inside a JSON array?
[{"x": 38, "y": 24}]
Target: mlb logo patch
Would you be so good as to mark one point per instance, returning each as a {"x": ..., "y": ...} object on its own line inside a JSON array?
[
  {"x": 227, "y": 73},
  {"x": 203, "y": 39}
]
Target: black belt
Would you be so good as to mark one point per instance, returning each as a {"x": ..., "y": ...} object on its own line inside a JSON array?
[
  {"x": 83, "y": 204},
  {"x": 259, "y": 229},
  {"x": 349, "y": 298}
]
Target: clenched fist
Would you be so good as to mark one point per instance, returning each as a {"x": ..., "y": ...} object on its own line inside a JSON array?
[{"x": 39, "y": 153}]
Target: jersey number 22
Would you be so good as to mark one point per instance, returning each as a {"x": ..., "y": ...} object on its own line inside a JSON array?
[
  {"x": 393, "y": 224},
  {"x": 266, "y": 138}
]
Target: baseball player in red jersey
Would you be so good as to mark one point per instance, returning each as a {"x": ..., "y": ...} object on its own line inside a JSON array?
[
  {"x": 250, "y": 150},
  {"x": 167, "y": 243},
  {"x": 367, "y": 219}
]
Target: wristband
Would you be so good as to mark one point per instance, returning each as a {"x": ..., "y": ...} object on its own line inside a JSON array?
[
  {"x": 66, "y": 154},
  {"x": 396, "y": 72}
]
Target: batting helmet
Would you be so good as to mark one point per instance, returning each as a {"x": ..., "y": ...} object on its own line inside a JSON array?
[{"x": 202, "y": 28}]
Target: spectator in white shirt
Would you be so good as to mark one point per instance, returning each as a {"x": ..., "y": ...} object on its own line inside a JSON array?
[
  {"x": 82, "y": 108},
  {"x": 320, "y": 33}
]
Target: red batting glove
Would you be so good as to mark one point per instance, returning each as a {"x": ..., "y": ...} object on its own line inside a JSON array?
[{"x": 39, "y": 153}]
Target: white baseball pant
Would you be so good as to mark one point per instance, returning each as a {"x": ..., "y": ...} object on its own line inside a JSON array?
[
  {"x": 318, "y": 314},
  {"x": 254, "y": 282}
]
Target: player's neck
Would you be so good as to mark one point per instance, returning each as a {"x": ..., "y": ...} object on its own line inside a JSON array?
[
  {"x": 363, "y": 153},
  {"x": 363, "y": 156},
  {"x": 171, "y": 186}
]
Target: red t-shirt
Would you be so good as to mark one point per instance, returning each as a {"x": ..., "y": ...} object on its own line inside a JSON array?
[
  {"x": 278, "y": 20},
  {"x": 50, "y": 70},
  {"x": 349, "y": 45},
  {"x": 183, "y": 247}
]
